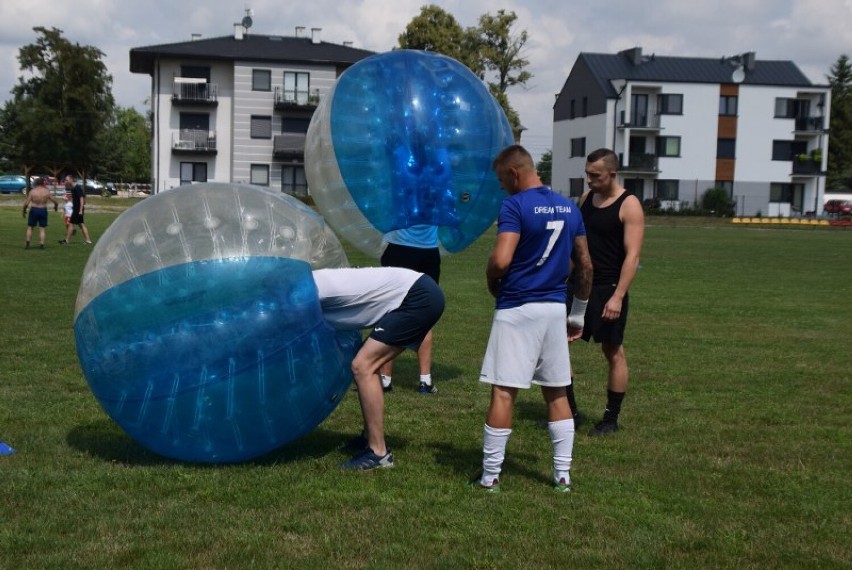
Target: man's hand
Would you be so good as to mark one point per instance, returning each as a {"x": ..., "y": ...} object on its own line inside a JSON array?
[
  {"x": 574, "y": 333},
  {"x": 493, "y": 286},
  {"x": 612, "y": 309}
]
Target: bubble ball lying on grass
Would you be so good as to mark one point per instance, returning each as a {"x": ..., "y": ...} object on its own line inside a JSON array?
[
  {"x": 407, "y": 138},
  {"x": 198, "y": 325}
]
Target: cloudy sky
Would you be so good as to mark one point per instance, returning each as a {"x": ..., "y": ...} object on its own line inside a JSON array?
[{"x": 812, "y": 33}]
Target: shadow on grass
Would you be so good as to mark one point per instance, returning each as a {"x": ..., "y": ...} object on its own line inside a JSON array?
[
  {"x": 467, "y": 462},
  {"x": 105, "y": 440}
]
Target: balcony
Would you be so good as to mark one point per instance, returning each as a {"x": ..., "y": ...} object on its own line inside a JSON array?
[
  {"x": 290, "y": 100},
  {"x": 188, "y": 141},
  {"x": 807, "y": 167},
  {"x": 812, "y": 125},
  {"x": 640, "y": 162},
  {"x": 289, "y": 146},
  {"x": 190, "y": 91},
  {"x": 639, "y": 121}
]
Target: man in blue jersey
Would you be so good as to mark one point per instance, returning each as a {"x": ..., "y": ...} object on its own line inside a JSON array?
[
  {"x": 539, "y": 232},
  {"x": 414, "y": 248}
]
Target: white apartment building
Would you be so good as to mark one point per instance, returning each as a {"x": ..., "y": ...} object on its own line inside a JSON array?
[
  {"x": 237, "y": 108},
  {"x": 682, "y": 125}
]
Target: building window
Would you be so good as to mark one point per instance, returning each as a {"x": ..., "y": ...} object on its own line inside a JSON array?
[
  {"x": 726, "y": 185},
  {"x": 668, "y": 146},
  {"x": 293, "y": 181},
  {"x": 297, "y": 85},
  {"x": 261, "y": 127},
  {"x": 575, "y": 187},
  {"x": 578, "y": 147},
  {"x": 290, "y": 125},
  {"x": 193, "y": 172},
  {"x": 728, "y": 105},
  {"x": 585, "y": 106},
  {"x": 667, "y": 190},
  {"x": 726, "y": 148},
  {"x": 788, "y": 150},
  {"x": 783, "y": 193},
  {"x": 259, "y": 174},
  {"x": 785, "y": 108},
  {"x": 573, "y": 112},
  {"x": 670, "y": 104},
  {"x": 261, "y": 80}
]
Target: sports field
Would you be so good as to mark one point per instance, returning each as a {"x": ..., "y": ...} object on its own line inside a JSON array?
[{"x": 735, "y": 449}]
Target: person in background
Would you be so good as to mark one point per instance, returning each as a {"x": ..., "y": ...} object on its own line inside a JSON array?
[
  {"x": 36, "y": 201},
  {"x": 78, "y": 201},
  {"x": 539, "y": 233},
  {"x": 615, "y": 228},
  {"x": 401, "y": 306},
  {"x": 415, "y": 248}
]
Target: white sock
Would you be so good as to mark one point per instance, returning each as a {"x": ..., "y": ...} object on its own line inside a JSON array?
[
  {"x": 386, "y": 380},
  {"x": 426, "y": 379},
  {"x": 493, "y": 452},
  {"x": 562, "y": 436}
]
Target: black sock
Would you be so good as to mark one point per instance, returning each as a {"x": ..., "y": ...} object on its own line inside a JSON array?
[
  {"x": 613, "y": 406},
  {"x": 572, "y": 402}
]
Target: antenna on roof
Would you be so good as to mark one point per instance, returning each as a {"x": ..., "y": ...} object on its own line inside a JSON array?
[{"x": 247, "y": 21}]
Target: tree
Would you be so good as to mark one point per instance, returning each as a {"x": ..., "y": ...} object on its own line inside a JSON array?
[
  {"x": 489, "y": 47},
  {"x": 60, "y": 110},
  {"x": 438, "y": 31},
  {"x": 545, "y": 167},
  {"x": 500, "y": 50},
  {"x": 126, "y": 148},
  {"x": 840, "y": 147}
]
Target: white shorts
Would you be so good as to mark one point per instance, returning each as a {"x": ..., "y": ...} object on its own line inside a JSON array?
[{"x": 528, "y": 345}]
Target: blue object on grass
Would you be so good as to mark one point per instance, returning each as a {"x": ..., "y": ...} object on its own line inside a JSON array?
[{"x": 5, "y": 449}]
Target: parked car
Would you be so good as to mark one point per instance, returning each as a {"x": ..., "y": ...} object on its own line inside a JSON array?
[
  {"x": 838, "y": 207},
  {"x": 13, "y": 184},
  {"x": 97, "y": 188}
]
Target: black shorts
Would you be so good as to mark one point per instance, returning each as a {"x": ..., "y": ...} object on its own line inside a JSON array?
[
  {"x": 423, "y": 260},
  {"x": 76, "y": 218},
  {"x": 407, "y": 325},
  {"x": 595, "y": 327}
]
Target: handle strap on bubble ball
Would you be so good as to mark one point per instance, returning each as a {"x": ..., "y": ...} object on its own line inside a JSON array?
[{"x": 577, "y": 317}]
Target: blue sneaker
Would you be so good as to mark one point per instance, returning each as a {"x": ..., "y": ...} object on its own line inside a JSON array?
[
  {"x": 427, "y": 388},
  {"x": 561, "y": 486},
  {"x": 368, "y": 460}
]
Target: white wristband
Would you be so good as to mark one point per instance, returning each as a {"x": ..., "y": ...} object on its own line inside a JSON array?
[{"x": 577, "y": 317}]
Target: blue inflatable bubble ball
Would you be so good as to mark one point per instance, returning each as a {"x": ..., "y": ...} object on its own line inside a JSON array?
[
  {"x": 198, "y": 325},
  {"x": 407, "y": 138}
]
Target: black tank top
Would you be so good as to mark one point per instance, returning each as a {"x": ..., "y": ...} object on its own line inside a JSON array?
[{"x": 605, "y": 234}]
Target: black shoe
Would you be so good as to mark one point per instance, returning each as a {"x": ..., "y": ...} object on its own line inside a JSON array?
[
  {"x": 27, "y": 246},
  {"x": 41, "y": 246},
  {"x": 387, "y": 388},
  {"x": 604, "y": 427},
  {"x": 63, "y": 242}
]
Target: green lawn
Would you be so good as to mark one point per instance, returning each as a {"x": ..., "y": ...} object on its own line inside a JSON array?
[{"x": 735, "y": 449}]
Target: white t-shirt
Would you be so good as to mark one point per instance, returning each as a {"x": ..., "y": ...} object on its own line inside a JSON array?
[
  {"x": 68, "y": 208},
  {"x": 356, "y": 298}
]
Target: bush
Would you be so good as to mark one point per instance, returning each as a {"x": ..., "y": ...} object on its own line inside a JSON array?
[{"x": 716, "y": 202}]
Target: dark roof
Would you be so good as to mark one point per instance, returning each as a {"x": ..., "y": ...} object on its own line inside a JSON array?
[
  {"x": 608, "y": 67},
  {"x": 250, "y": 48}
]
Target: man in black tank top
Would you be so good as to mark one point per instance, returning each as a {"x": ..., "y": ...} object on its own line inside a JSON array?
[{"x": 615, "y": 227}]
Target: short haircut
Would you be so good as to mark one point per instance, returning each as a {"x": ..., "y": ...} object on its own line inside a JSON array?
[
  {"x": 513, "y": 156},
  {"x": 38, "y": 181},
  {"x": 609, "y": 157}
]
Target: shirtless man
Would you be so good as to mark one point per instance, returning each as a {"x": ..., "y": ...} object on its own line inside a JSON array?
[{"x": 37, "y": 202}]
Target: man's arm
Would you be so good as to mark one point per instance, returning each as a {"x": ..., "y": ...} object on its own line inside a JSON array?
[
  {"x": 82, "y": 201},
  {"x": 634, "y": 232},
  {"x": 55, "y": 202},
  {"x": 501, "y": 259},
  {"x": 582, "y": 262},
  {"x": 26, "y": 204}
]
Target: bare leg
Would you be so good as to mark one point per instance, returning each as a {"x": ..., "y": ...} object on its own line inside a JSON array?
[{"x": 365, "y": 369}]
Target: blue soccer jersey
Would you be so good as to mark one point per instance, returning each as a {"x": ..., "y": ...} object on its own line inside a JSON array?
[{"x": 547, "y": 223}]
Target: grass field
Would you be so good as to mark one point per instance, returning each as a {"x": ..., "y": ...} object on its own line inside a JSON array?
[{"x": 735, "y": 449}]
